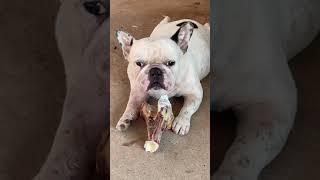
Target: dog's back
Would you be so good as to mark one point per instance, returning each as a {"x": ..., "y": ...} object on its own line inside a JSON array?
[
  {"x": 199, "y": 46},
  {"x": 301, "y": 22}
]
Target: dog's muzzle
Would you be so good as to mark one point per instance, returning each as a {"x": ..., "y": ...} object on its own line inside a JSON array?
[{"x": 156, "y": 79}]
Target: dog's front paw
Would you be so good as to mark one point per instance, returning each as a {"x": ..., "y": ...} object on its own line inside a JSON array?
[
  {"x": 181, "y": 125},
  {"x": 123, "y": 124}
]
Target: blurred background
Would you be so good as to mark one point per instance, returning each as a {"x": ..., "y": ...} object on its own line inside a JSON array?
[
  {"x": 32, "y": 86},
  {"x": 300, "y": 157}
]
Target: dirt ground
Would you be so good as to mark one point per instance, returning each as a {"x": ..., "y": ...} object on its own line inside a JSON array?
[{"x": 179, "y": 157}]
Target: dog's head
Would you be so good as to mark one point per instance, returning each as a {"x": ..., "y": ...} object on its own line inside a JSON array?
[
  {"x": 155, "y": 63},
  {"x": 83, "y": 38}
]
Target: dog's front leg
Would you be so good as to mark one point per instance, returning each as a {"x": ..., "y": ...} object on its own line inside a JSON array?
[
  {"x": 192, "y": 101},
  {"x": 84, "y": 119},
  {"x": 262, "y": 132},
  {"x": 131, "y": 113}
]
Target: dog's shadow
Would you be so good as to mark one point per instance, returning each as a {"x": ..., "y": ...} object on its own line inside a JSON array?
[{"x": 223, "y": 131}]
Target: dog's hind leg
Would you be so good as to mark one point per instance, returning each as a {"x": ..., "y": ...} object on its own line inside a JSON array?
[{"x": 165, "y": 20}]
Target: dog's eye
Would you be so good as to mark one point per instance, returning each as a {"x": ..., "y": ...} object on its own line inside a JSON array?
[
  {"x": 170, "y": 63},
  {"x": 95, "y": 7},
  {"x": 139, "y": 63}
]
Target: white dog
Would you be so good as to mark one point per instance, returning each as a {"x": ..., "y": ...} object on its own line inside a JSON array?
[
  {"x": 171, "y": 61},
  {"x": 83, "y": 39},
  {"x": 253, "y": 42}
]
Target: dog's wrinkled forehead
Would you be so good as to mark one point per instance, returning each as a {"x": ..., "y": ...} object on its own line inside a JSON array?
[{"x": 149, "y": 49}]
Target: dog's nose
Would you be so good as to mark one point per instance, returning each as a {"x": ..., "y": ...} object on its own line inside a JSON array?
[{"x": 155, "y": 72}]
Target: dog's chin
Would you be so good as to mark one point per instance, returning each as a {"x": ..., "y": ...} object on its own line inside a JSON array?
[
  {"x": 156, "y": 86},
  {"x": 157, "y": 92}
]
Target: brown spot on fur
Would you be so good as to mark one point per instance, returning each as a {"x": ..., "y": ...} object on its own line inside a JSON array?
[
  {"x": 245, "y": 162},
  {"x": 122, "y": 126},
  {"x": 264, "y": 134},
  {"x": 73, "y": 162},
  {"x": 234, "y": 149},
  {"x": 127, "y": 121}
]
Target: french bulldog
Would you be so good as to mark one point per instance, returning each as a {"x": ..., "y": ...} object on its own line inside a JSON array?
[
  {"x": 82, "y": 34},
  {"x": 253, "y": 42},
  {"x": 171, "y": 61}
]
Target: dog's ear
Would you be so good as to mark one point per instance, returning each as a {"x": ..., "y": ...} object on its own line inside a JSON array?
[
  {"x": 126, "y": 41},
  {"x": 183, "y": 35}
]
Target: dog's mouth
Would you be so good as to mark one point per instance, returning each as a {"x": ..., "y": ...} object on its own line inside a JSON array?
[{"x": 156, "y": 86}]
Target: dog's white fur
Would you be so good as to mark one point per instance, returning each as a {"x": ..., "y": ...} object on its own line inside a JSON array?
[
  {"x": 182, "y": 79},
  {"x": 83, "y": 42},
  {"x": 253, "y": 42}
]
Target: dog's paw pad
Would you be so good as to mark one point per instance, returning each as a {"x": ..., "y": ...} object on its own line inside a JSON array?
[
  {"x": 181, "y": 126},
  {"x": 127, "y": 121},
  {"x": 122, "y": 126}
]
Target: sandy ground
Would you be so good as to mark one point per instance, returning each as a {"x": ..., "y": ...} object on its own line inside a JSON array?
[{"x": 184, "y": 157}]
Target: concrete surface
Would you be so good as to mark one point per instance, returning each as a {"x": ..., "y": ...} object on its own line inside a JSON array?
[
  {"x": 300, "y": 158},
  {"x": 179, "y": 157}
]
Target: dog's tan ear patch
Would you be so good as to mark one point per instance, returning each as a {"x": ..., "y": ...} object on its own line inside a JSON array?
[
  {"x": 126, "y": 42},
  {"x": 183, "y": 35}
]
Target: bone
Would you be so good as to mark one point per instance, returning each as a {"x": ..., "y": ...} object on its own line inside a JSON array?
[{"x": 158, "y": 116}]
